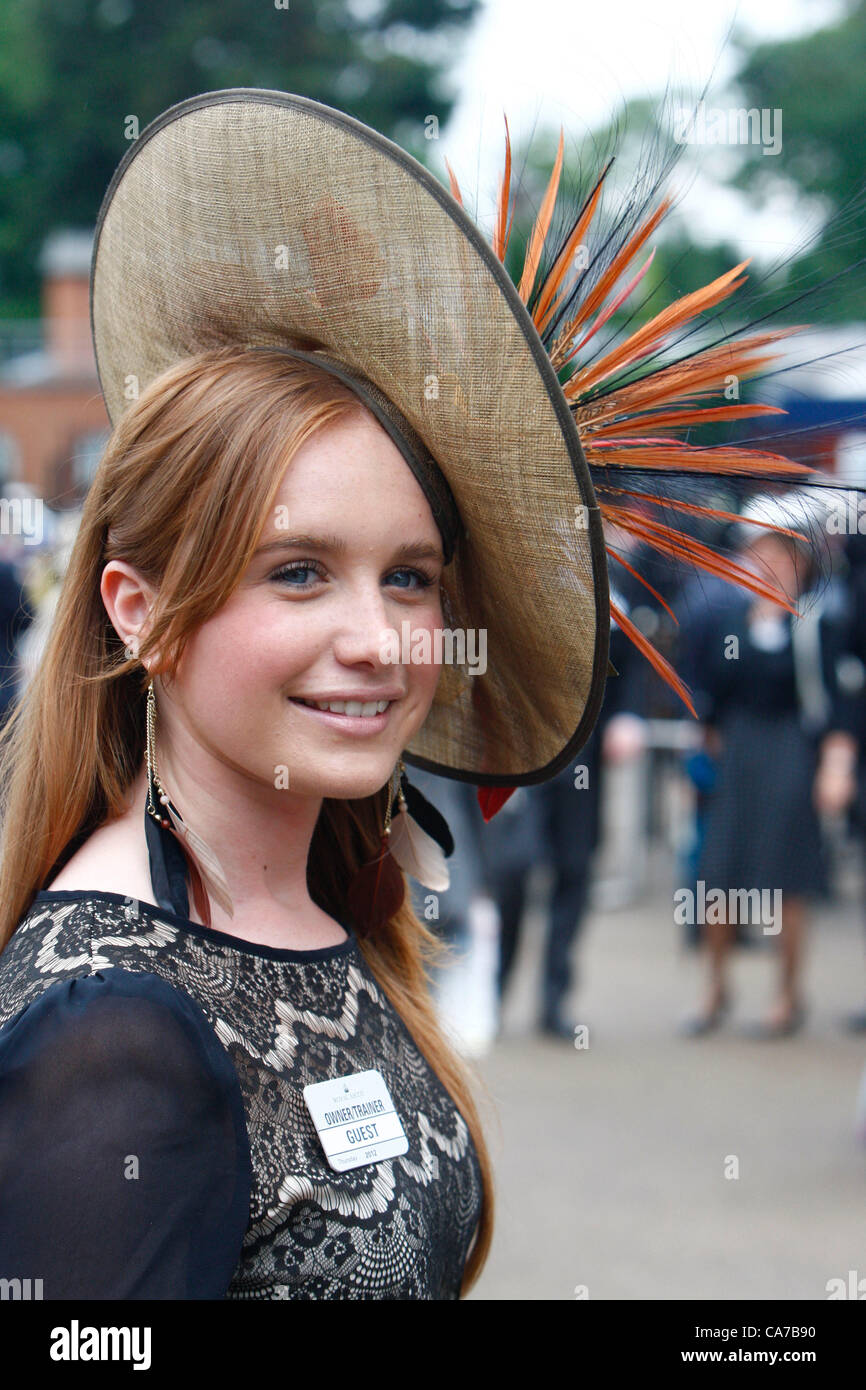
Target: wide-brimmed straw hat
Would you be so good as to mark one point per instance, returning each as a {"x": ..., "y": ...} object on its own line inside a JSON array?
[
  {"x": 261, "y": 218},
  {"x": 248, "y": 218}
]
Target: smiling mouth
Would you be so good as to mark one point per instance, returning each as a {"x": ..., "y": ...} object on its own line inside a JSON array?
[{"x": 354, "y": 708}]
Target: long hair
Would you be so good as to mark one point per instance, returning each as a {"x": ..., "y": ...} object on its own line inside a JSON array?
[{"x": 182, "y": 492}]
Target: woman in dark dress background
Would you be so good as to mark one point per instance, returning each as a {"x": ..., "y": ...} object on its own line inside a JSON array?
[{"x": 768, "y": 691}]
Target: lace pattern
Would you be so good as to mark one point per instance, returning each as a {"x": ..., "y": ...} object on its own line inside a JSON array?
[{"x": 398, "y": 1229}]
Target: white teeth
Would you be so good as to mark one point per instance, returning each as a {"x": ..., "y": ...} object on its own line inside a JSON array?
[{"x": 352, "y": 707}]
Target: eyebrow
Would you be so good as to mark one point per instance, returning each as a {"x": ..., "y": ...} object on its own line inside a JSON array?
[{"x": 409, "y": 550}]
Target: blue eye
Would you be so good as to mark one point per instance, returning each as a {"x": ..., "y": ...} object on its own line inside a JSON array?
[
  {"x": 299, "y": 567},
  {"x": 424, "y": 581}
]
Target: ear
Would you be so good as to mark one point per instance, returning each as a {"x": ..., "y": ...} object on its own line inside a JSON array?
[{"x": 128, "y": 600}]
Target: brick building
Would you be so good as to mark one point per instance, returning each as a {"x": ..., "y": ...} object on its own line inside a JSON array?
[{"x": 53, "y": 424}]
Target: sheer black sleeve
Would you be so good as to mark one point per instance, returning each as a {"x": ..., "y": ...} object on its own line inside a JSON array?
[{"x": 124, "y": 1157}]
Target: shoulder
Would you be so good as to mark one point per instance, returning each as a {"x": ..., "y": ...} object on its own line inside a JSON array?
[
  {"x": 69, "y": 935},
  {"x": 121, "y": 1122},
  {"x": 116, "y": 1034},
  {"x": 116, "y": 1021}
]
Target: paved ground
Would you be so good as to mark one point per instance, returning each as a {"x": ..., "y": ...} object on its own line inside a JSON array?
[{"x": 611, "y": 1161}]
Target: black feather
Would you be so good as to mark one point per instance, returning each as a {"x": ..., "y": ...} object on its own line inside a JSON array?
[{"x": 428, "y": 817}]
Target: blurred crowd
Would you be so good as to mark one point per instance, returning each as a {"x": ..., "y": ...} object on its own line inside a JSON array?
[{"x": 774, "y": 767}]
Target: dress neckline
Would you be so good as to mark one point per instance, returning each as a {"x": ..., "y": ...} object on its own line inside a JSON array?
[{"x": 234, "y": 943}]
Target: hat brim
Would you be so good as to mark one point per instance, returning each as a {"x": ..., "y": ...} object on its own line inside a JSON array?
[{"x": 256, "y": 217}]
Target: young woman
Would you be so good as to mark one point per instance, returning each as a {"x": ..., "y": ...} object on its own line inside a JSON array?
[
  {"x": 133, "y": 1174},
  {"x": 337, "y": 422}
]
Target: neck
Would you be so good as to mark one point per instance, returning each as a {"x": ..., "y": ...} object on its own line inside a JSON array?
[{"x": 260, "y": 835}]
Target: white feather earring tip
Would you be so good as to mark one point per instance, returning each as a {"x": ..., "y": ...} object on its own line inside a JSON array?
[{"x": 417, "y": 852}]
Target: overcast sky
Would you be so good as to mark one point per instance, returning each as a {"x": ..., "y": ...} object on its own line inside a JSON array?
[{"x": 573, "y": 62}]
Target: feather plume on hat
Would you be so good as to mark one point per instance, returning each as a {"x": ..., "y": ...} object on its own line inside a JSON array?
[{"x": 630, "y": 407}]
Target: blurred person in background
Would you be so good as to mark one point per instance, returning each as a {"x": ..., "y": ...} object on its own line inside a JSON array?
[
  {"x": 770, "y": 699},
  {"x": 25, "y": 554},
  {"x": 851, "y": 761},
  {"x": 698, "y": 607},
  {"x": 558, "y": 823}
]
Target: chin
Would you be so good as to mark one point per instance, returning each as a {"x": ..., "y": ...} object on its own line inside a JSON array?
[
  {"x": 353, "y": 786},
  {"x": 343, "y": 776}
]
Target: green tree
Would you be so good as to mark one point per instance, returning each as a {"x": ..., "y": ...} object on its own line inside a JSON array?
[
  {"x": 816, "y": 82},
  {"x": 71, "y": 74}
]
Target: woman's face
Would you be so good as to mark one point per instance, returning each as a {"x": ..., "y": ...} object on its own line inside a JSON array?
[{"x": 307, "y": 624}]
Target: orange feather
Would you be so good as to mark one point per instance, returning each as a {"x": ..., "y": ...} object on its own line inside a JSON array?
[
  {"x": 539, "y": 231},
  {"x": 628, "y": 425},
  {"x": 675, "y": 453},
  {"x": 455, "y": 187},
  {"x": 676, "y": 419},
  {"x": 545, "y": 310},
  {"x": 654, "y": 657},
  {"x": 639, "y": 577},
  {"x": 502, "y": 230},
  {"x": 678, "y": 506},
  {"x": 680, "y": 546},
  {"x": 646, "y": 339},
  {"x": 596, "y": 296}
]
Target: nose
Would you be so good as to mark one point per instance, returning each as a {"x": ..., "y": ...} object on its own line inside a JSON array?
[{"x": 363, "y": 626}]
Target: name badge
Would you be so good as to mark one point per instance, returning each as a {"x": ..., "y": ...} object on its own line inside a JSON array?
[{"x": 355, "y": 1120}]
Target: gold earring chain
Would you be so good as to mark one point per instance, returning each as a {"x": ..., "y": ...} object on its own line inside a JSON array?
[
  {"x": 150, "y": 753},
  {"x": 395, "y": 778}
]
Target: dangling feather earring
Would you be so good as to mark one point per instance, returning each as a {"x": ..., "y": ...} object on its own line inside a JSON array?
[
  {"x": 417, "y": 841},
  {"x": 420, "y": 839},
  {"x": 205, "y": 871},
  {"x": 378, "y": 888},
  {"x": 169, "y": 870}
]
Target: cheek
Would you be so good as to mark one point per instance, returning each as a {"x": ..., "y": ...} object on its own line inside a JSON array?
[
  {"x": 424, "y": 675},
  {"x": 236, "y": 656}
]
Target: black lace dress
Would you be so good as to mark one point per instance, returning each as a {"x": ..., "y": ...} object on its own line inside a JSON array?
[{"x": 154, "y": 1139}]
